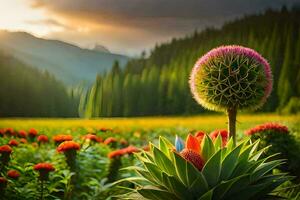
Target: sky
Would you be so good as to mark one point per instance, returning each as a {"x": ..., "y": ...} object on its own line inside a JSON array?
[{"x": 123, "y": 26}]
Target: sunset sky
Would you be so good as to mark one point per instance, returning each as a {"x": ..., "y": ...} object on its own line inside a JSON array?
[{"x": 123, "y": 26}]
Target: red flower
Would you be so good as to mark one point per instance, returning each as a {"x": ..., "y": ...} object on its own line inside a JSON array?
[
  {"x": 22, "y": 133},
  {"x": 193, "y": 157},
  {"x": 42, "y": 139},
  {"x": 121, "y": 152},
  {"x": 3, "y": 180},
  {"x": 5, "y": 149},
  {"x": 2, "y": 132},
  {"x": 267, "y": 127},
  {"x": 13, "y": 174},
  {"x": 200, "y": 135},
  {"x": 146, "y": 148},
  {"x": 23, "y": 140},
  {"x": 116, "y": 153},
  {"x": 223, "y": 133},
  {"x": 123, "y": 142},
  {"x": 44, "y": 167},
  {"x": 92, "y": 137},
  {"x": 192, "y": 143},
  {"x": 13, "y": 143},
  {"x": 110, "y": 140},
  {"x": 32, "y": 132},
  {"x": 10, "y": 131},
  {"x": 62, "y": 138},
  {"x": 68, "y": 145},
  {"x": 105, "y": 129}
]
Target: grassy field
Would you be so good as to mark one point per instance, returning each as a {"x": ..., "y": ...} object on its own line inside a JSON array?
[{"x": 205, "y": 122}]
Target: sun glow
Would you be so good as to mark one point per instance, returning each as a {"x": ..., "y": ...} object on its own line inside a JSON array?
[{"x": 18, "y": 15}]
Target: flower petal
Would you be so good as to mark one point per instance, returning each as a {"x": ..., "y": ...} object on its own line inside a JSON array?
[{"x": 192, "y": 143}]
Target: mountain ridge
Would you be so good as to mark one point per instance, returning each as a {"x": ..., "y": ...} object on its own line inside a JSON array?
[{"x": 68, "y": 62}]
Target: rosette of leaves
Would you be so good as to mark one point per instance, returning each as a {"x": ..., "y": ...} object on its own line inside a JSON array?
[{"x": 229, "y": 172}]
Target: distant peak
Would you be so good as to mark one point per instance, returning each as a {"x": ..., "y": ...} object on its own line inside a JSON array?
[{"x": 100, "y": 48}]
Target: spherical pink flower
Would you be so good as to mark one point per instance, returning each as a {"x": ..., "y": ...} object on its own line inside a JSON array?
[{"x": 225, "y": 77}]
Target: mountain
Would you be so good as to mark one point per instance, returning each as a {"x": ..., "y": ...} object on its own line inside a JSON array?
[
  {"x": 158, "y": 84},
  {"x": 67, "y": 62},
  {"x": 101, "y": 48}
]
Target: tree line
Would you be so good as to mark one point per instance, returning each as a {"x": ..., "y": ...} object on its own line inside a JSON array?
[
  {"x": 158, "y": 84},
  {"x": 28, "y": 92}
]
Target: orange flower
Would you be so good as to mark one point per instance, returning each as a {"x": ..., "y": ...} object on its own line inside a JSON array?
[
  {"x": 3, "y": 180},
  {"x": 13, "y": 143},
  {"x": 44, "y": 166},
  {"x": 32, "y": 132},
  {"x": 23, "y": 140},
  {"x": 13, "y": 174},
  {"x": 42, "y": 139},
  {"x": 62, "y": 138},
  {"x": 110, "y": 140},
  {"x": 268, "y": 127},
  {"x": 10, "y": 131},
  {"x": 120, "y": 152},
  {"x": 92, "y": 137},
  {"x": 68, "y": 145},
  {"x": 200, "y": 135},
  {"x": 22, "y": 133},
  {"x": 5, "y": 149},
  {"x": 192, "y": 143},
  {"x": 223, "y": 133},
  {"x": 123, "y": 142}
]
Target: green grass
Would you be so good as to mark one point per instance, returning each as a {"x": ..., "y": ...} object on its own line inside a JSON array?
[{"x": 169, "y": 124}]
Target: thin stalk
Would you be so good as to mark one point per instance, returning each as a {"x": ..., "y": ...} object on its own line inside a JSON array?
[
  {"x": 42, "y": 190},
  {"x": 232, "y": 112}
]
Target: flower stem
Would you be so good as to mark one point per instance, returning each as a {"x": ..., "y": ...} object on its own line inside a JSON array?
[
  {"x": 42, "y": 189},
  {"x": 232, "y": 112}
]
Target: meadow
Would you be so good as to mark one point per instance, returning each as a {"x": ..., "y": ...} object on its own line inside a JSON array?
[{"x": 184, "y": 123}]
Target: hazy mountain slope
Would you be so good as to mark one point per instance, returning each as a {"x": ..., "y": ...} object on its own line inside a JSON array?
[{"x": 67, "y": 62}]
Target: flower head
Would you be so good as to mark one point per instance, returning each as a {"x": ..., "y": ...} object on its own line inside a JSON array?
[
  {"x": 32, "y": 132},
  {"x": 22, "y": 133},
  {"x": 121, "y": 152},
  {"x": 3, "y": 182},
  {"x": 193, "y": 157},
  {"x": 61, "y": 138},
  {"x": 14, "y": 174},
  {"x": 267, "y": 127},
  {"x": 67, "y": 146},
  {"x": 224, "y": 77},
  {"x": 13, "y": 142},
  {"x": 10, "y": 131},
  {"x": 223, "y": 133},
  {"x": 200, "y": 135},
  {"x": 5, "y": 149},
  {"x": 42, "y": 139},
  {"x": 110, "y": 140},
  {"x": 44, "y": 169},
  {"x": 23, "y": 140},
  {"x": 2, "y": 132},
  {"x": 44, "y": 166},
  {"x": 192, "y": 143},
  {"x": 92, "y": 137}
]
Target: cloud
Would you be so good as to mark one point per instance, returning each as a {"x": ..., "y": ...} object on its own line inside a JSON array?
[
  {"x": 48, "y": 22},
  {"x": 128, "y": 22}
]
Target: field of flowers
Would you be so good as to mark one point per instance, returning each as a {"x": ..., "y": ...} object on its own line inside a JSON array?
[{"x": 81, "y": 159}]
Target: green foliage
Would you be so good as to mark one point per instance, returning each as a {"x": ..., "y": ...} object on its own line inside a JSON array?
[
  {"x": 286, "y": 145},
  {"x": 237, "y": 172},
  {"x": 158, "y": 85},
  {"x": 27, "y": 92}
]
